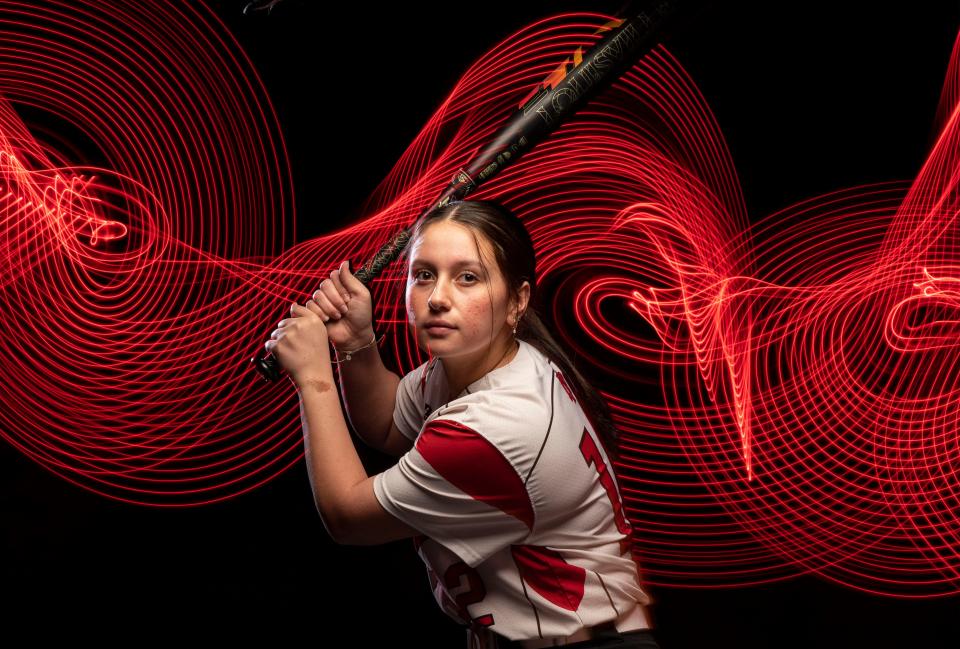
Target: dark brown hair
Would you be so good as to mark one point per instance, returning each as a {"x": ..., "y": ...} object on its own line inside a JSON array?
[{"x": 516, "y": 259}]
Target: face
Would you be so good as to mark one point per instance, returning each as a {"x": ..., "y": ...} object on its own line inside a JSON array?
[{"x": 445, "y": 282}]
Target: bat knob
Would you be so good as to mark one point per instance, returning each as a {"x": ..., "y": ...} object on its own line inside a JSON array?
[{"x": 267, "y": 367}]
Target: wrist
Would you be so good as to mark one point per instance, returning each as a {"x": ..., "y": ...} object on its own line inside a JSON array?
[
  {"x": 360, "y": 339},
  {"x": 360, "y": 344},
  {"x": 315, "y": 381}
]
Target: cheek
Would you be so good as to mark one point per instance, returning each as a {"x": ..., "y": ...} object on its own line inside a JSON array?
[
  {"x": 412, "y": 304},
  {"x": 412, "y": 316},
  {"x": 477, "y": 315}
]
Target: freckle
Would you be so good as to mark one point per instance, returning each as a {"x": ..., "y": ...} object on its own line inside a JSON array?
[{"x": 319, "y": 386}]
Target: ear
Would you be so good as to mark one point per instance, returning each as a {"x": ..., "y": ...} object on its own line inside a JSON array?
[{"x": 521, "y": 300}]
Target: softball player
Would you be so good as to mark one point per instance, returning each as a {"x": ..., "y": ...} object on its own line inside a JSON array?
[{"x": 504, "y": 479}]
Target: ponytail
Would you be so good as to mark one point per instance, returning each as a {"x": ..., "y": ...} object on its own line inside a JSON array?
[{"x": 534, "y": 331}]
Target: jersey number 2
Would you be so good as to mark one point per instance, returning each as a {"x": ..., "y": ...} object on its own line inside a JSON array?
[{"x": 592, "y": 455}]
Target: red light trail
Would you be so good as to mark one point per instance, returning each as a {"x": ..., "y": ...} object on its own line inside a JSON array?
[{"x": 786, "y": 388}]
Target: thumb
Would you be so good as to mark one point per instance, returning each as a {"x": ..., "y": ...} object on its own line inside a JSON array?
[{"x": 348, "y": 278}]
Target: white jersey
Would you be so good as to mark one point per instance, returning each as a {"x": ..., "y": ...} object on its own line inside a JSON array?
[{"x": 523, "y": 528}]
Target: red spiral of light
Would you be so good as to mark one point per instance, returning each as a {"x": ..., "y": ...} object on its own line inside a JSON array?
[{"x": 784, "y": 390}]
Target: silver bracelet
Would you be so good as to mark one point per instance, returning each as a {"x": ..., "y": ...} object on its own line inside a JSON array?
[{"x": 350, "y": 353}]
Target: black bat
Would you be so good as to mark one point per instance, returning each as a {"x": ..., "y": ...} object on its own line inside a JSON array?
[{"x": 546, "y": 110}]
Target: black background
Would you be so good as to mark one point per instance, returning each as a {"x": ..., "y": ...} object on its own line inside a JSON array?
[{"x": 811, "y": 97}]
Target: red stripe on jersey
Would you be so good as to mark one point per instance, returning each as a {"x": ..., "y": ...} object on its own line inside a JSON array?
[
  {"x": 563, "y": 382},
  {"x": 468, "y": 461},
  {"x": 483, "y": 620},
  {"x": 548, "y": 573}
]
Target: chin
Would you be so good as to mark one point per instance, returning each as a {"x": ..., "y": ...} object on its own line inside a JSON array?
[
  {"x": 439, "y": 347},
  {"x": 434, "y": 343}
]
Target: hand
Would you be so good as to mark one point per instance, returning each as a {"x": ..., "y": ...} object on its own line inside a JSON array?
[
  {"x": 300, "y": 344},
  {"x": 345, "y": 302}
]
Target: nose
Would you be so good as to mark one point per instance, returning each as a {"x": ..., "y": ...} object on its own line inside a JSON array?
[{"x": 439, "y": 297}]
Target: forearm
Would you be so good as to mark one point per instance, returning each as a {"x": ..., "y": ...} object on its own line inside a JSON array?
[
  {"x": 369, "y": 393},
  {"x": 332, "y": 461}
]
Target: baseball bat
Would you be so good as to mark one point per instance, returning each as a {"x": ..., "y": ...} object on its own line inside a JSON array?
[{"x": 553, "y": 102}]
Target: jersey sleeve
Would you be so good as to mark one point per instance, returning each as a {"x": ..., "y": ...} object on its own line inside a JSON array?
[
  {"x": 408, "y": 409},
  {"x": 458, "y": 489}
]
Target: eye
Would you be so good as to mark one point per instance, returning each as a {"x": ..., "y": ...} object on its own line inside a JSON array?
[
  {"x": 416, "y": 275},
  {"x": 470, "y": 275}
]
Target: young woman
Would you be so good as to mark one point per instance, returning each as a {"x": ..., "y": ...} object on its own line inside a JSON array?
[{"x": 504, "y": 480}]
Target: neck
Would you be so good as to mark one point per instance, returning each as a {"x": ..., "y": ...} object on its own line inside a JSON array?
[{"x": 462, "y": 371}]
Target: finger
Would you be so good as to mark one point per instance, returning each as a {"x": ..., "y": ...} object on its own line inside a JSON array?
[
  {"x": 313, "y": 306},
  {"x": 299, "y": 309},
  {"x": 328, "y": 288},
  {"x": 348, "y": 280},
  {"x": 338, "y": 284},
  {"x": 320, "y": 297}
]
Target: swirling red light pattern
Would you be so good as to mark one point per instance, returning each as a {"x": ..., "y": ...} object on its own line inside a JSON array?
[{"x": 793, "y": 412}]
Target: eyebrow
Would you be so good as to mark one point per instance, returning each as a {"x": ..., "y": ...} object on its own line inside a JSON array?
[{"x": 460, "y": 263}]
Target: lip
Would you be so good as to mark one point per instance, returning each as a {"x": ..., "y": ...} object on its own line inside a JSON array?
[{"x": 438, "y": 328}]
